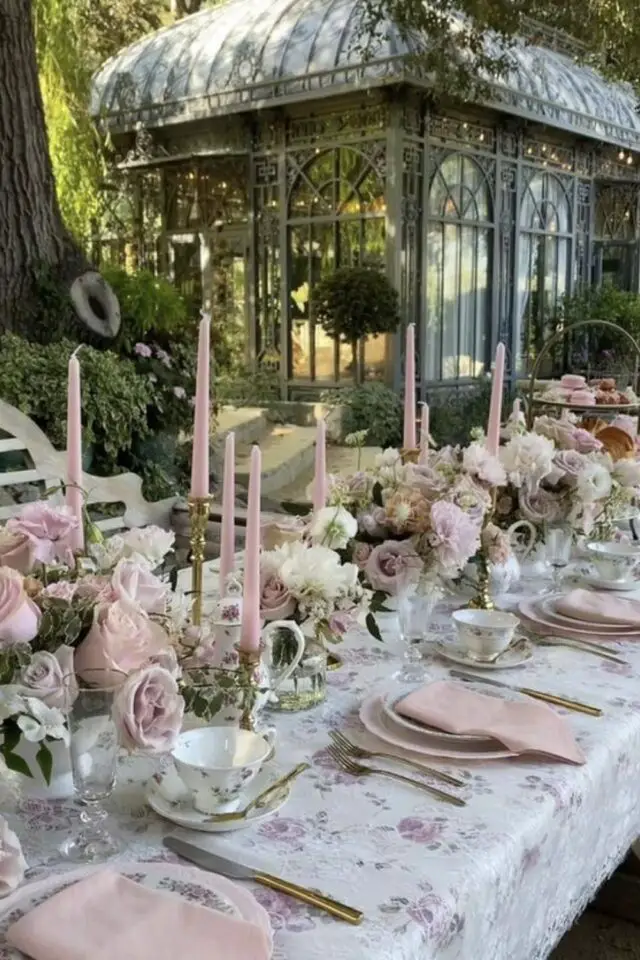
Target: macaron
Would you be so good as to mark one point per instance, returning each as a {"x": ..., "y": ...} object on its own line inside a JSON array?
[
  {"x": 582, "y": 398},
  {"x": 572, "y": 381}
]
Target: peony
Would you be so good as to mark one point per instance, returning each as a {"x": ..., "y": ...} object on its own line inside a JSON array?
[
  {"x": 528, "y": 459},
  {"x": 333, "y": 527},
  {"x": 478, "y": 462},
  {"x": 50, "y": 530},
  {"x": 61, "y": 590},
  {"x": 314, "y": 577},
  {"x": 496, "y": 543},
  {"x": 121, "y": 640},
  {"x": 19, "y": 616},
  {"x": 455, "y": 537},
  {"x": 276, "y": 602},
  {"x": 12, "y": 862},
  {"x": 137, "y": 588},
  {"x": 148, "y": 711},
  {"x": 593, "y": 483},
  {"x": 391, "y": 564},
  {"x": 51, "y": 678},
  {"x": 570, "y": 462},
  {"x": 627, "y": 473},
  {"x": 16, "y": 551},
  {"x": 540, "y": 507}
]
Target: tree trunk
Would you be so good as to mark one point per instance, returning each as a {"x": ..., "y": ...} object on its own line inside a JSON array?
[{"x": 32, "y": 234}]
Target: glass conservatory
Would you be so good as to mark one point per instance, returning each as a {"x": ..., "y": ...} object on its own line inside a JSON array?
[{"x": 255, "y": 152}]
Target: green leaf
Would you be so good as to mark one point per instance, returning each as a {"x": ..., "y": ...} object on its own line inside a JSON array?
[
  {"x": 378, "y": 601},
  {"x": 44, "y": 759},
  {"x": 372, "y": 627},
  {"x": 376, "y": 495},
  {"x": 11, "y": 735},
  {"x": 17, "y": 763}
]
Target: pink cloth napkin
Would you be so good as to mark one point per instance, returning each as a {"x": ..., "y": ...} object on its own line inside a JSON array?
[
  {"x": 593, "y": 607},
  {"x": 524, "y": 726},
  {"x": 108, "y": 917}
]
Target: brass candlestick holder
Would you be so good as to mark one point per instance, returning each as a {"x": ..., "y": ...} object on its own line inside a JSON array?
[
  {"x": 410, "y": 454},
  {"x": 483, "y": 599},
  {"x": 249, "y": 687},
  {"x": 198, "y": 519}
]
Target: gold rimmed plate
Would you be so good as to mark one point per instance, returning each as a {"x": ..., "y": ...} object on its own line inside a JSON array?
[{"x": 389, "y": 707}]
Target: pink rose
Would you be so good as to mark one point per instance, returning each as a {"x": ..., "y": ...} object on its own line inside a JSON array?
[
  {"x": 120, "y": 641},
  {"x": 49, "y": 529},
  {"x": 19, "y": 616},
  {"x": 585, "y": 442},
  {"x": 148, "y": 711},
  {"x": 372, "y": 522},
  {"x": 16, "y": 551},
  {"x": 361, "y": 553},
  {"x": 430, "y": 482},
  {"x": 390, "y": 563},
  {"x": 62, "y": 590},
  {"x": 341, "y": 622},
  {"x": 455, "y": 536},
  {"x": 12, "y": 862},
  {"x": 541, "y": 507},
  {"x": 137, "y": 588},
  {"x": 50, "y": 677},
  {"x": 570, "y": 462},
  {"x": 276, "y": 603}
]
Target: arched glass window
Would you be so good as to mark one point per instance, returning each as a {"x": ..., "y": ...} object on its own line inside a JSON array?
[
  {"x": 615, "y": 255},
  {"x": 543, "y": 262},
  {"x": 336, "y": 217},
  {"x": 459, "y": 240}
]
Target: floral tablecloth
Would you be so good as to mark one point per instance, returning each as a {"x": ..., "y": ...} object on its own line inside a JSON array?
[{"x": 502, "y": 878}]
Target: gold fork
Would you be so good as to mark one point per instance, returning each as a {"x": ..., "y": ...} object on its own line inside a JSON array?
[
  {"x": 359, "y": 753},
  {"x": 360, "y": 770}
]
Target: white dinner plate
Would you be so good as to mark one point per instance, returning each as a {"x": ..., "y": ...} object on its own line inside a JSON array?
[
  {"x": 190, "y": 883},
  {"x": 390, "y": 704},
  {"x": 617, "y": 586},
  {"x": 547, "y": 607},
  {"x": 377, "y": 722},
  {"x": 170, "y": 798},
  {"x": 529, "y": 609}
]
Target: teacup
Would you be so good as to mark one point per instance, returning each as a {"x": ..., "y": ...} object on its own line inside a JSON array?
[
  {"x": 484, "y": 634},
  {"x": 614, "y": 561},
  {"x": 218, "y": 763}
]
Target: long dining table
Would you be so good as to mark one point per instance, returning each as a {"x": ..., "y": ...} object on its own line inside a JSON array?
[{"x": 502, "y": 878}]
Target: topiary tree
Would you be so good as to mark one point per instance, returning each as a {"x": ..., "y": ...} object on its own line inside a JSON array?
[{"x": 356, "y": 302}]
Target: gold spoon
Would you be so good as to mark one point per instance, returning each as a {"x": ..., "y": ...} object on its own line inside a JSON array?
[{"x": 259, "y": 801}]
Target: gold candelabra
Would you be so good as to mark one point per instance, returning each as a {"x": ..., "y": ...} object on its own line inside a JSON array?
[
  {"x": 198, "y": 519},
  {"x": 248, "y": 683},
  {"x": 483, "y": 599}
]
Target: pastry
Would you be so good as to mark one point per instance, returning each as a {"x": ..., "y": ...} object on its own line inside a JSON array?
[
  {"x": 618, "y": 444},
  {"x": 582, "y": 398},
  {"x": 572, "y": 381}
]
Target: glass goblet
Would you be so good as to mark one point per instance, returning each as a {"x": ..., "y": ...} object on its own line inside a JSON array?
[
  {"x": 415, "y": 609},
  {"x": 94, "y": 754},
  {"x": 558, "y": 544}
]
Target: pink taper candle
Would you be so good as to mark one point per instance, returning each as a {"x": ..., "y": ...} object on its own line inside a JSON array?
[
  {"x": 200, "y": 457},
  {"x": 250, "y": 639},
  {"x": 320, "y": 478},
  {"x": 495, "y": 410},
  {"x": 424, "y": 434},
  {"x": 74, "y": 451},
  {"x": 228, "y": 536},
  {"x": 409, "y": 440}
]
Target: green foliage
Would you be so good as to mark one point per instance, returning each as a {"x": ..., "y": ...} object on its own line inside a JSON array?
[
  {"x": 33, "y": 377},
  {"x": 454, "y": 412},
  {"x": 355, "y": 302},
  {"x": 248, "y": 388},
  {"x": 597, "y": 349},
  {"x": 62, "y": 623},
  {"x": 11, "y": 734},
  {"x": 151, "y": 308},
  {"x": 375, "y": 408}
]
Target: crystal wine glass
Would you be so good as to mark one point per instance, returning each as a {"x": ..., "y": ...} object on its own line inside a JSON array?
[
  {"x": 94, "y": 754},
  {"x": 558, "y": 544},
  {"x": 415, "y": 610}
]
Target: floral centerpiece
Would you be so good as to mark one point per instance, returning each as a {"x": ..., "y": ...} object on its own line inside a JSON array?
[
  {"x": 422, "y": 522},
  {"x": 560, "y": 471},
  {"x": 66, "y": 620}
]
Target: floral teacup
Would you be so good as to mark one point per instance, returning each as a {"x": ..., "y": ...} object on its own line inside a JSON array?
[
  {"x": 484, "y": 634},
  {"x": 218, "y": 763},
  {"x": 615, "y": 561}
]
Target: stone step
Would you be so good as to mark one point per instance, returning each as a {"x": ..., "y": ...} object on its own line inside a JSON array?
[
  {"x": 340, "y": 460},
  {"x": 248, "y": 423},
  {"x": 288, "y": 451}
]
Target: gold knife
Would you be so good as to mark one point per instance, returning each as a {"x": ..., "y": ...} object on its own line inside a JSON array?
[
  {"x": 534, "y": 694},
  {"x": 238, "y": 871}
]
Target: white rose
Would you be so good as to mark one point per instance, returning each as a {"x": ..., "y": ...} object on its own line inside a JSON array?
[
  {"x": 627, "y": 473},
  {"x": 51, "y": 678},
  {"x": 593, "y": 483},
  {"x": 151, "y": 543},
  {"x": 12, "y": 862},
  {"x": 137, "y": 588},
  {"x": 333, "y": 527}
]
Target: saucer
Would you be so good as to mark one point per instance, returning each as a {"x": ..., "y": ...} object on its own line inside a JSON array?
[
  {"x": 514, "y": 657},
  {"x": 621, "y": 586},
  {"x": 169, "y": 798}
]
